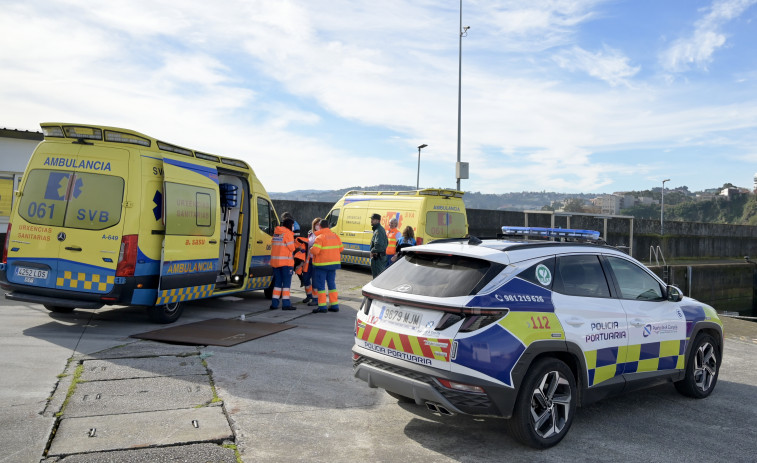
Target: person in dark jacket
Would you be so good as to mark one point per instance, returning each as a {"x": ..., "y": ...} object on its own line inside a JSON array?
[{"x": 379, "y": 242}]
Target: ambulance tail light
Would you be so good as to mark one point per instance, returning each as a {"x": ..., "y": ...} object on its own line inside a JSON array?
[
  {"x": 127, "y": 257},
  {"x": 5, "y": 248},
  {"x": 419, "y": 241},
  {"x": 462, "y": 387}
]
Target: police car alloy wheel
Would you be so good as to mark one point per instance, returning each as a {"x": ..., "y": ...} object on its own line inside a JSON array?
[
  {"x": 702, "y": 369},
  {"x": 546, "y": 404}
]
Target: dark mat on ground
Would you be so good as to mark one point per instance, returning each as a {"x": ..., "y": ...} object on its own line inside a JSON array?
[{"x": 214, "y": 332}]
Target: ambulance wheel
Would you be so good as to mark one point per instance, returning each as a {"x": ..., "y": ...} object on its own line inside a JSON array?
[
  {"x": 702, "y": 368},
  {"x": 59, "y": 309},
  {"x": 401, "y": 398},
  {"x": 165, "y": 313},
  {"x": 545, "y": 405}
]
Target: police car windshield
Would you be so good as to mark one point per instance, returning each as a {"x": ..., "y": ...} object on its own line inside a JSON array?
[{"x": 434, "y": 275}]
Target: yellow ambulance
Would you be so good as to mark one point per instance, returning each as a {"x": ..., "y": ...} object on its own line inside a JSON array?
[
  {"x": 432, "y": 212},
  {"x": 108, "y": 216}
]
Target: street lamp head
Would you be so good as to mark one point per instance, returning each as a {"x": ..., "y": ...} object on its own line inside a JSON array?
[
  {"x": 666, "y": 180},
  {"x": 422, "y": 146}
]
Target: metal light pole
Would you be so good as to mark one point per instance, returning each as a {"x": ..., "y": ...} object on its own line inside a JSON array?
[
  {"x": 418, "y": 178},
  {"x": 662, "y": 207},
  {"x": 459, "y": 86}
]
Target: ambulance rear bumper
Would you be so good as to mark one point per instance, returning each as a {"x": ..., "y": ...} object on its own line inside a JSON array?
[{"x": 56, "y": 301}]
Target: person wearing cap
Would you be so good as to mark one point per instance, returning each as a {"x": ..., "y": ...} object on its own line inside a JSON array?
[{"x": 379, "y": 242}]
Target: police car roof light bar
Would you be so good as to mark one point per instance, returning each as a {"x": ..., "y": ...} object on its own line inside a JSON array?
[{"x": 551, "y": 232}]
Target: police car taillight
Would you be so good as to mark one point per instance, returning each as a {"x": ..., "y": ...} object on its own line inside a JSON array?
[
  {"x": 461, "y": 386},
  {"x": 127, "y": 257},
  {"x": 5, "y": 248}
]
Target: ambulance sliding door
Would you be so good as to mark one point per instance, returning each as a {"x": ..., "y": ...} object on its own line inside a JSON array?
[{"x": 189, "y": 262}]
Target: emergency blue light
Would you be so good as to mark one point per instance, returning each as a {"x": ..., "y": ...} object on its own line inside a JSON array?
[{"x": 551, "y": 232}]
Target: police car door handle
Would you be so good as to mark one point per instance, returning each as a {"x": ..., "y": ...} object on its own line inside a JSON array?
[
  {"x": 637, "y": 322},
  {"x": 73, "y": 248},
  {"x": 575, "y": 321}
]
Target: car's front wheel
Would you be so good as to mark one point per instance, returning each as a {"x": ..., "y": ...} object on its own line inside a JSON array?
[
  {"x": 545, "y": 406},
  {"x": 701, "y": 369}
]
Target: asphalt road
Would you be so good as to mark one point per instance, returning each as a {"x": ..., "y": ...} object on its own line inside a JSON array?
[{"x": 291, "y": 396}]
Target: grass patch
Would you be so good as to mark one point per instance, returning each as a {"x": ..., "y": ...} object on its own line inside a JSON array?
[
  {"x": 236, "y": 451},
  {"x": 77, "y": 375}
]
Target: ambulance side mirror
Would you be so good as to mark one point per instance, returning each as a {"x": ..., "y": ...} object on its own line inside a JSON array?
[{"x": 674, "y": 294}]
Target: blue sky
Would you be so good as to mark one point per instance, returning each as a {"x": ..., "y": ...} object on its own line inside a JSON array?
[{"x": 563, "y": 95}]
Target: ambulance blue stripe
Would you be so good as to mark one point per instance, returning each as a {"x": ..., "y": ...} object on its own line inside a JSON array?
[{"x": 209, "y": 172}]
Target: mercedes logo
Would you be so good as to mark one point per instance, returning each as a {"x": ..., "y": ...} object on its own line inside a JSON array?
[{"x": 61, "y": 236}]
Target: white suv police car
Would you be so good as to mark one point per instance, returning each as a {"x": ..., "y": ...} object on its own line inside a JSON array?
[{"x": 529, "y": 329}]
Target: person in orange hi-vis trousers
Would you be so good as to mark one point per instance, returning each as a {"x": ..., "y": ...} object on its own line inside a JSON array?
[
  {"x": 392, "y": 234},
  {"x": 282, "y": 247},
  {"x": 327, "y": 251}
]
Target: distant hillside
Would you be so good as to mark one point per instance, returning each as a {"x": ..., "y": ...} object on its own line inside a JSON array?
[{"x": 508, "y": 201}]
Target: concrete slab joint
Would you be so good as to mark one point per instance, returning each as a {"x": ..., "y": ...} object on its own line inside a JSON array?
[{"x": 129, "y": 402}]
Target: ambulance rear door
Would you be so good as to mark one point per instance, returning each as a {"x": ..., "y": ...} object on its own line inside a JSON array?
[
  {"x": 72, "y": 213},
  {"x": 189, "y": 261}
]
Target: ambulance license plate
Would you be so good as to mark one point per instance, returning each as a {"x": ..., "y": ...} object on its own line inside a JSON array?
[{"x": 30, "y": 273}]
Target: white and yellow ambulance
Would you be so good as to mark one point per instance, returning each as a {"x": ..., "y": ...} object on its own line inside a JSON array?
[
  {"x": 111, "y": 216},
  {"x": 433, "y": 213}
]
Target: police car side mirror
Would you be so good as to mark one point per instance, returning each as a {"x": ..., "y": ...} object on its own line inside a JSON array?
[{"x": 674, "y": 294}]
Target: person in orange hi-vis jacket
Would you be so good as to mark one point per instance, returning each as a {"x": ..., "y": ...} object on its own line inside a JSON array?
[
  {"x": 282, "y": 247},
  {"x": 326, "y": 251},
  {"x": 392, "y": 234}
]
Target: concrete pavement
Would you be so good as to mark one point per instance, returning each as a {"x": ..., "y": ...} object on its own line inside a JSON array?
[{"x": 291, "y": 397}]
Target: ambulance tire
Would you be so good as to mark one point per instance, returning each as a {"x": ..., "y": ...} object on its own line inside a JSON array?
[
  {"x": 401, "y": 398},
  {"x": 702, "y": 368},
  {"x": 545, "y": 405},
  {"x": 165, "y": 313},
  {"x": 59, "y": 309}
]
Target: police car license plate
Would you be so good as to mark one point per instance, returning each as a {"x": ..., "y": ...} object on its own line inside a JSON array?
[
  {"x": 402, "y": 316},
  {"x": 32, "y": 273}
]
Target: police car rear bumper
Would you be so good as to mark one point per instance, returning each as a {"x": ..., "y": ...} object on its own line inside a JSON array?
[{"x": 420, "y": 383}]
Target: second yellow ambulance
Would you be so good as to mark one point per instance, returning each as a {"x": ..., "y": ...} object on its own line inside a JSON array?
[{"x": 433, "y": 213}]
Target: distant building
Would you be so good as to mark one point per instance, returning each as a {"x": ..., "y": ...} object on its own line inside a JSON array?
[
  {"x": 730, "y": 192},
  {"x": 646, "y": 201},
  {"x": 754, "y": 187}
]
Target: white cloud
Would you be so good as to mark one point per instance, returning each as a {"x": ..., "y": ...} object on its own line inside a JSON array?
[
  {"x": 609, "y": 65},
  {"x": 697, "y": 49}
]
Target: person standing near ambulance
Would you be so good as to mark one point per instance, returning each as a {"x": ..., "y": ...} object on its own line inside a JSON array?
[
  {"x": 326, "y": 250},
  {"x": 379, "y": 243},
  {"x": 392, "y": 235},
  {"x": 282, "y": 248},
  {"x": 311, "y": 298}
]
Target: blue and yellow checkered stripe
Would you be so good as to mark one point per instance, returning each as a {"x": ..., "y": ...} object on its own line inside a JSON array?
[
  {"x": 83, "y": 281},
  {"x": 259, "y": 283},
  {"x": 184, "y": 294},
  {"x": 664, "y": 355},
  {"x": 356, "y": 260}
]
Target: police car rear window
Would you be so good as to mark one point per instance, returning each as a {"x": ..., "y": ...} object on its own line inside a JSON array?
[
  {"x": 72, "y": 199},
  {"x": 434, "y": 275}
]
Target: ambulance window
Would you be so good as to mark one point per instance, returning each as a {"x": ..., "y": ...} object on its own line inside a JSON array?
[
  {"x": 333, "y": 218},
  {"x": 581, "y": 275},
  {"x": 441, "y": 224},
  {"x": 190, "y": 210},
  {"x": 266, "y": 219},
  {"x": 88, "y": 208},
  {"x": 634, "y": 282},
  {"x": 72, "y": 199}
]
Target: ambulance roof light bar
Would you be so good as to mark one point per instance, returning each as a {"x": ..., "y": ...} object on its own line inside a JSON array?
[{"x": 551, "y": 233}]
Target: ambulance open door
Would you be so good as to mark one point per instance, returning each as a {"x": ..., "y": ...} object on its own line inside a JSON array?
[{"x": 189, "y": 261}]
